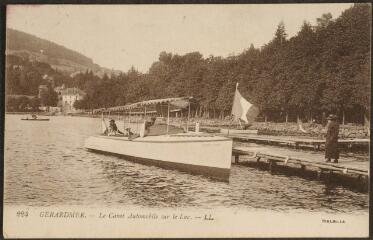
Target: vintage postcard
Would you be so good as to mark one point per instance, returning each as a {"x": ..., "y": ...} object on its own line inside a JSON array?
[{"x": 187, "y": 121}]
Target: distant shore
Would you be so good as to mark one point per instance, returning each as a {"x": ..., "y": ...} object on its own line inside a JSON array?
[{"x": 313, "y": 130}]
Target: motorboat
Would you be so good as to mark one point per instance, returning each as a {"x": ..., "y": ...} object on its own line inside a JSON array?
[{"x": 192, "y": 152}]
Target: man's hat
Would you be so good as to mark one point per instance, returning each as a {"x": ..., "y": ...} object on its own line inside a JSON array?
[
  {"x": 112, "y": 120},
  {"x": 331, "y": 117}
]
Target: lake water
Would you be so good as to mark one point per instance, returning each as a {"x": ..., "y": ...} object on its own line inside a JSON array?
[{"x": 47, "y": 165}]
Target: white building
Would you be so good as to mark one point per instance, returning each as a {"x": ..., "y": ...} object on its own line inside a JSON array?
[
  {"x": 42, "y": 89},
  {"x": 68, "y": 98}
]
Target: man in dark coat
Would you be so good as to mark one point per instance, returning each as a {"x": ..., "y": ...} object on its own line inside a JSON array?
[{"x": 331, "y": 143}]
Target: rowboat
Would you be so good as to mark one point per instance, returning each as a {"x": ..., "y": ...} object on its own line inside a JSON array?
[
  {"x": 37, "y": 119},
  {"x": 34, "y": 117},
  {"x": 192, "y": 152}
]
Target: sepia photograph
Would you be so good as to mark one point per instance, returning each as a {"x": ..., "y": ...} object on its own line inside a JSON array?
[{"x": 187, "y": 120}]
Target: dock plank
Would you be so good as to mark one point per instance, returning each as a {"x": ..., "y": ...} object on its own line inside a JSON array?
[
  {"x": 294, "y": 141},
  {"x": 309, "y": 158}
]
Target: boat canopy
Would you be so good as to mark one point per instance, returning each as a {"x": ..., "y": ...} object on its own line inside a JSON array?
[{"x": 180, "y": 102}]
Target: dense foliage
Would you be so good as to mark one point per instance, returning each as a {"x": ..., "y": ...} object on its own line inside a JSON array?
[
  {"x": 323, "y": 69},
  {"x": 22, "y": 104},
  {"x": 23, "y": 78}
]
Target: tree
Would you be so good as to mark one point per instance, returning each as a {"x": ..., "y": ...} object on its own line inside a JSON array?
[
  {"x": 325, "y": 67},
  {"x": 324, "y": 20},
  {"x": 280, "y": 35}
]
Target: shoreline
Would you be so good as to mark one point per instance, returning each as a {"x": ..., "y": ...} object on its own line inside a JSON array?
[{"x": 291, "y": 129}]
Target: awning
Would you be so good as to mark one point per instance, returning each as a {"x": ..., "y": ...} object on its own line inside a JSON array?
[{"x": 180, "y": 102}]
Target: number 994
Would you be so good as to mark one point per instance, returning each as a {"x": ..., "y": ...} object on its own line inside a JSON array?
[{"x": 22, "y": 213}]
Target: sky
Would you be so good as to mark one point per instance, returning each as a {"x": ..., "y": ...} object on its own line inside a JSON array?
[{"x": 121, "y": 36}]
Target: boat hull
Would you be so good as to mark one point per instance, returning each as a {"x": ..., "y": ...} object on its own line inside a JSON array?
[
  {"x": 43, "y": 119},
  {"x": 208, "y": 156}
]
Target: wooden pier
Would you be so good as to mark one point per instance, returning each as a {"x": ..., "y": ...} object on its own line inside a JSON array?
[
  {"x": 351, "y": 173},
  {"x": 296, "y": 142}
]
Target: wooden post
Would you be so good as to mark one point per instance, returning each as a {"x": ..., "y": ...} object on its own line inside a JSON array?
[
  {"x": 236, "y": 158},
  {"x": 129, "y": 120},
  {"x": 168, "y": 116},
  {"x": 303, "y": 167},
  {"x": 187, "y": 127},
  {"x": 272, "y": 165},
  {"x": 102, "y": 119},
  {"x": 286, "y": 117},
  {"x": 230, "y": 124},
  {"x": 319, "y": 173}
]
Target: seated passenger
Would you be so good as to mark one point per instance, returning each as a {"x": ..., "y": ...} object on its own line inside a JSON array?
[
  {"x": 113, "y": 130},
  {"x": 149, "y": 124},
  {"x": 130, "y": 134}
]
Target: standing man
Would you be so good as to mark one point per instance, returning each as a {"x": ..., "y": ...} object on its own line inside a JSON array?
[{"x": 331, "y": 142}]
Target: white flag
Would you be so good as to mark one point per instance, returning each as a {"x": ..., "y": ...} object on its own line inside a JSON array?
[{"x": 241, "y": 107}]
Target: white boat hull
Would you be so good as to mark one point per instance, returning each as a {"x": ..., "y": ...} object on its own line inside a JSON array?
[{"x": 198, "y": 154}]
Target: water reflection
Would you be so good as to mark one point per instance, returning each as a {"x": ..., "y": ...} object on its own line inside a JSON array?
[{"x": 54, "y": 168}]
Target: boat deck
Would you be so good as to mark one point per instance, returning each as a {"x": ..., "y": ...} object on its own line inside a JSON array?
[
  {"x": 181, "y": 137},
  {"x": 296, "y": 141}
]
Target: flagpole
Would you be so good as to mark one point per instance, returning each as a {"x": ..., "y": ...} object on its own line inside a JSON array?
[{"x": 240, "y": 124}]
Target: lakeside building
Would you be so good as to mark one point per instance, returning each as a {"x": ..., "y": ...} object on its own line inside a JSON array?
[
  {"x": 42, "y": 89},
  {"x": 67, "y": 97}
]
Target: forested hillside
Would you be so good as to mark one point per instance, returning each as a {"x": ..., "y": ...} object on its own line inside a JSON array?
[
  {"x": 324, "y": 68},
  {"x": 24, "y": 77},
  {"x": 30, "y": 47},
  {"x": 17, "y": 40}
]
